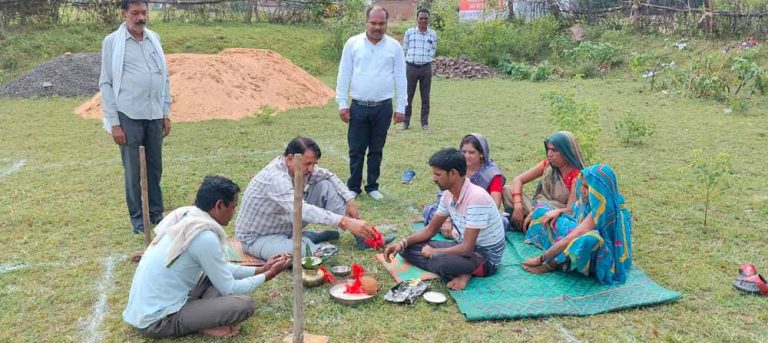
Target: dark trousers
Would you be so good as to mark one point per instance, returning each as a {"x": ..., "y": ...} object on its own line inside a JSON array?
[
  {"x": 205, "y": 309},
  {"x": 423, "y": 76},
  {"x": 446, "y": 265},
  {"x": 148, "y": 133},
  {"x": 368, "y": 126}
]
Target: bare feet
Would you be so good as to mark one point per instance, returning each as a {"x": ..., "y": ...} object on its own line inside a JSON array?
[
  {"x": 221, "y": 331},
  {"x": 540, "y": 269},
  {"x": 532, "y": 262},
  {"x": 460, "y": 282}
]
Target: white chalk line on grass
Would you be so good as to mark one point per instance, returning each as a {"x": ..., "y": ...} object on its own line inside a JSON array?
[
  {"x": 100, "y": 308},
  {"x": 332, "y": 149},
  {"x": 12, "y": 169},
  {"x": 7, "y": 268},
  {"x": 567, "y": 335}
]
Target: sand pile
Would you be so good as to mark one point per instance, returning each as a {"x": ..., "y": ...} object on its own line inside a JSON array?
[{"x": 233, "y": 84}]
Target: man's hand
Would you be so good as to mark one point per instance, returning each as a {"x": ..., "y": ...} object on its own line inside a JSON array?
[
  {"x": 279, "y": 265},
  {"x": 118, "y": 135},
  {"x": 360, "y": 228},
  {"x": 166, "y": 126},
  {"x": 398, "y": 117},
  {"x": 344, "y": 115},
  {"x": 391, "y": 250},
  {"x": 353, "y": 211},
  {"x": 427, "y": 251}
]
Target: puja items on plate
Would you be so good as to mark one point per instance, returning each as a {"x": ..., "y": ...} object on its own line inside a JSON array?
[{"x": 361, "y": 284}]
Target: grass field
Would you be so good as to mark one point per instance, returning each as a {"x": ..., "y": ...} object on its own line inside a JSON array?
[{"x": 65, "y": 234}]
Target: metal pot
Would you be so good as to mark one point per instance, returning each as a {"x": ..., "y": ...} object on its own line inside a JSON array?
[{"x": 312, "y": 278}]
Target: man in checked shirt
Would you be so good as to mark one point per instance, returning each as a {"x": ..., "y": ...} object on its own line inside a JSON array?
[
  {"x": 265, "y": 222},
  {"x": 419, "y": 45}
]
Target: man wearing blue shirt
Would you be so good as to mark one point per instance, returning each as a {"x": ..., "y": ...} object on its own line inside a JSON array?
[
  {"x": 183, "y": 284},
  {"x": 372, "y": 66}
]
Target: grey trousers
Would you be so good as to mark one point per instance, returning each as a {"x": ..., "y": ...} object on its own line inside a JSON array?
[
  {"x": 205, "y": 309},
  {"x": 148, "y": 133},
  {"x": 422, "y": 75},
  {"x": 320, "y": 194}
]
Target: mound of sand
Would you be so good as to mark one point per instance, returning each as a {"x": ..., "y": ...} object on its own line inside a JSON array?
[{"x": 233, "y": 84}]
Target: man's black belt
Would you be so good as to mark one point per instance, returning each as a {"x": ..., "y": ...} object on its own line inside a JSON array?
[
  {"x": 371, "y": 103},
  {"x": 418, "y": 65}
]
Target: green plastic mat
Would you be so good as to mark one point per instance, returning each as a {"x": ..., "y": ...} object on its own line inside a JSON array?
[{"x": 514, "y": 293}]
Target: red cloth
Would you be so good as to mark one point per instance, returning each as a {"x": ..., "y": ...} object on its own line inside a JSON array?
[
  {"x": 496, "y": 185},
  {"x": 377, "y": 241},
  {"x": 356, "y": 287},
  {"x": 327, "y": 277},
  {"x": 567, "y": 179}
]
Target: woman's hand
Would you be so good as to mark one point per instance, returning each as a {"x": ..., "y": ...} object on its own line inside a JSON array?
[{"x": 550, "y": 218}]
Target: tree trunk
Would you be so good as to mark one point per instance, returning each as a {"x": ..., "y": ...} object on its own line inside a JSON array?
[
  {"x": 510, "y": 10},
  {"x": 249, "y": 11},
  {"x": 554, "y": 8},
  {"x": 634, "y": 14},
  {"x": 707, "y": 21}
]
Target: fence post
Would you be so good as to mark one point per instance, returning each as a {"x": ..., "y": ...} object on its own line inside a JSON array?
[
  {"x": 634, "y": 14},
  {"x": 510, "y": 10},
  {"x": 708, "y": 19},
  {"x": 554, "y": 7}
]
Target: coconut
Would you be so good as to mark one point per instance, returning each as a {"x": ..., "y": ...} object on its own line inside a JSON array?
[{"x": 369, "y": 285}]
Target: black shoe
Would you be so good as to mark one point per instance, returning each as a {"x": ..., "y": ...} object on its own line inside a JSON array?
[
  {"x": 156, "y": 220},
  {"x": 138, "y": 229},
  {"x": 322, "y": 236},
  {"x": 360, "y": 243}
]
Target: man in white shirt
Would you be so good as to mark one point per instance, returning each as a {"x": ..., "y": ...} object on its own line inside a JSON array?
[{"x": 372, "y": 67}]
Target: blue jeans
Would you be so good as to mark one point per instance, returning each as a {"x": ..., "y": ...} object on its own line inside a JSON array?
[{"x": 367, "y": 130}]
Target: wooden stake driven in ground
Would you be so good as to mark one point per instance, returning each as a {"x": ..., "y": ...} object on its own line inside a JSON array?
[
  {"x": 144, "y": 196},
  {"x": 298, "y": 285}
]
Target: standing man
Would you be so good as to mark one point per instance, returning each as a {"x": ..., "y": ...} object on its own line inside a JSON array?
[
  {"x": 371, "y": 71},
  {"x": 419, "y": 44},
  {"x": 136, "y": 100}
]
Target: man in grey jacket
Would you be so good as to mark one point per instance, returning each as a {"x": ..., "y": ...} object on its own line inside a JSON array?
[{"x": 136, "y": 100}]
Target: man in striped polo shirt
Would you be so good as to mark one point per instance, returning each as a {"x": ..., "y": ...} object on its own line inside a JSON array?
[
  {"x": 419, "y": 45},
  {"x": 480, "y": 244}
]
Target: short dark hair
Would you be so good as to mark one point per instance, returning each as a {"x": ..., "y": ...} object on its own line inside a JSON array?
[
  {"x": 300, "y": 144},
  {"x": 448, "y": 159},
  {"x": 125, "y": 3},
  {"x": 376, "y": 8},
  {"x": 423, "y": 10},
  {"x": 213, "y": 189}
]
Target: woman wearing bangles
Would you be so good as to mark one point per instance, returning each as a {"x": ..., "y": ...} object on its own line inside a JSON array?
[
  {"x": 597, "y": 242},
  {"x": 555, "y": 190}
]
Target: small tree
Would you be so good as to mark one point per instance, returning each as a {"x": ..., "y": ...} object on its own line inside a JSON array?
[
  {"x": 711, "y": 174},
  {"x": 578, "y": 117}
]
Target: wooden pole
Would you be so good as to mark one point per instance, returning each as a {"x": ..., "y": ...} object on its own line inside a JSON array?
[
  {"x": 298, "y": 285},
  {"x": 144, "y": 196}
]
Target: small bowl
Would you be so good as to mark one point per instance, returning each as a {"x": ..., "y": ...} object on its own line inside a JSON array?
[
  {"x": 435, "y": 297},
  {"x": 341, "y": 271},
  {"x": 316, "y": 262}
]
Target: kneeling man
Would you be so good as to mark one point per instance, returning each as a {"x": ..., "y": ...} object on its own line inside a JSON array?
[
  {"x": 183, "y": 284},
  {"x": 265, "y": 222},
  {"x": 480, "y": 244}
]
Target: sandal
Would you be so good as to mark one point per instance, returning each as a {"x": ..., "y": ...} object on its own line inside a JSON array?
[{"x": 754, "y": 284}]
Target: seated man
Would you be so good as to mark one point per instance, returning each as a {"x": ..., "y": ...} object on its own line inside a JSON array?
[
  {"x": 183, "y": 284},
  {"x": 480, "y": 244},
  {"x": 265, "y": 222}
]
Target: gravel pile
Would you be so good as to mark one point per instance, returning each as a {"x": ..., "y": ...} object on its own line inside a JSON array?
[
  {"x": 461, "y": 68},
  {"x": 69, "y": 75}
]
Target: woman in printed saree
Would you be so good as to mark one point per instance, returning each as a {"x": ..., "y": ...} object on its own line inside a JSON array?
[
  {"x": 595, "y": 241},
  {"x": 555, "y": 189},
  {"x": 481, "y": 171}
]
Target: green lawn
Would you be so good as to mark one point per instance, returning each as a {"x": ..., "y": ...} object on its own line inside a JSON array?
[{"x": 65, "y": 215}]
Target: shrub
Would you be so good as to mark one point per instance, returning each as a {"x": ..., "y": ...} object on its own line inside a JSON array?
[
  {"x": 589, "y": 58},
  {"x": 349, "y": 22},
  {"x": 541, "y": 72},
  {"x": 633, "y": 129},
  {"x": 711, "y": 174},
  {"x": 579, "y": 118},
  {"x": 516, "y": 71}
]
